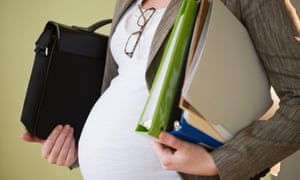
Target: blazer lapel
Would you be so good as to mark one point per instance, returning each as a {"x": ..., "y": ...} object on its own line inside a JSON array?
[
  {"x": 164, "y": 27},
  {"x": 122, "y": 6}
]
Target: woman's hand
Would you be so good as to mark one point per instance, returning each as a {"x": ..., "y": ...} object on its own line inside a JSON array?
[
  {"x": 59, "y": 148},
  {"x": 181, "y": 156}
]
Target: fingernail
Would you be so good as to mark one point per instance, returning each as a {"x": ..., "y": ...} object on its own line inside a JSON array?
[{"x": 59, "y": 127}]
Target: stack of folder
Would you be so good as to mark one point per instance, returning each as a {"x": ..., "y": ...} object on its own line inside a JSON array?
[{"x": 216, "y": 79}]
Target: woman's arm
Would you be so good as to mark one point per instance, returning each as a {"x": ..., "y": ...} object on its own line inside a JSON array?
[{"x": 263, "y": 143}]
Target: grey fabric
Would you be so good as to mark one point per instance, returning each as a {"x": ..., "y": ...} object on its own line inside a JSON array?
[{"x": 263, "y": 143}]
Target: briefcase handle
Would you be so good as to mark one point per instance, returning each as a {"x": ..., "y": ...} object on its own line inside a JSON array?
[{"x": 95, "y": 26}]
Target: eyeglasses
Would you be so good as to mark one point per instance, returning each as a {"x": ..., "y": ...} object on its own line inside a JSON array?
[{"x": 135, "y": 37}]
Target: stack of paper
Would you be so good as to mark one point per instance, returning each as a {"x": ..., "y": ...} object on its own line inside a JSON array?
[{"x": 225, "y": 84}]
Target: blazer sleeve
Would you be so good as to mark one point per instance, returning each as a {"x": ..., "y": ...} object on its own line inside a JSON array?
[{"x": 273, "y": 28}]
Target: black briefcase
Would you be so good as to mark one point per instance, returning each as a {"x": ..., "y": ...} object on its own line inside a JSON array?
[{"x": 66, "y": 78}]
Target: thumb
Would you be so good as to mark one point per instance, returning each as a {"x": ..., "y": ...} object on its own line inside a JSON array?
[
  {"x": 170, "y": 140},
  {"x": 29, "y": 138}
]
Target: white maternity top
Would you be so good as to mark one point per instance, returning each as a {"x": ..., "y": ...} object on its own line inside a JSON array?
[{"x": 109, "y": 147}]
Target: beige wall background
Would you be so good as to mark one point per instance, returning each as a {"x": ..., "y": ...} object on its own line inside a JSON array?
[{"x": 21, "y": 22}]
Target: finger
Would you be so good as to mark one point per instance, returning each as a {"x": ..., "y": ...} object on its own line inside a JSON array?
[
  {"x": 72, "y": 155},
  {"x": 164, "y": 154},
  {"x": 50, "y": 141},
  {"x": 53, "y": 156},
  {"x": 29, "y": 138},
  {"x": 161, "y": 149},
  {"x": 61, "y": 160},
  {"x": 171, "y": 141}
]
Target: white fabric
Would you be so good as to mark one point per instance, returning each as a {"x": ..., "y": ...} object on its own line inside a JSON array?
[{"x": 109, "y": 148}]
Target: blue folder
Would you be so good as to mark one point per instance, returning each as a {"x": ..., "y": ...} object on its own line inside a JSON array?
[{"x": 191, "y": 134}]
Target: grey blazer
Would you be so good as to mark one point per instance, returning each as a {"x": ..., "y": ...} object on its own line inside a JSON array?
[{"x": 263, "y": 143}]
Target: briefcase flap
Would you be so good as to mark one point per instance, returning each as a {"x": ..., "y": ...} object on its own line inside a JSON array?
[{"x": 75, "y": 40}]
